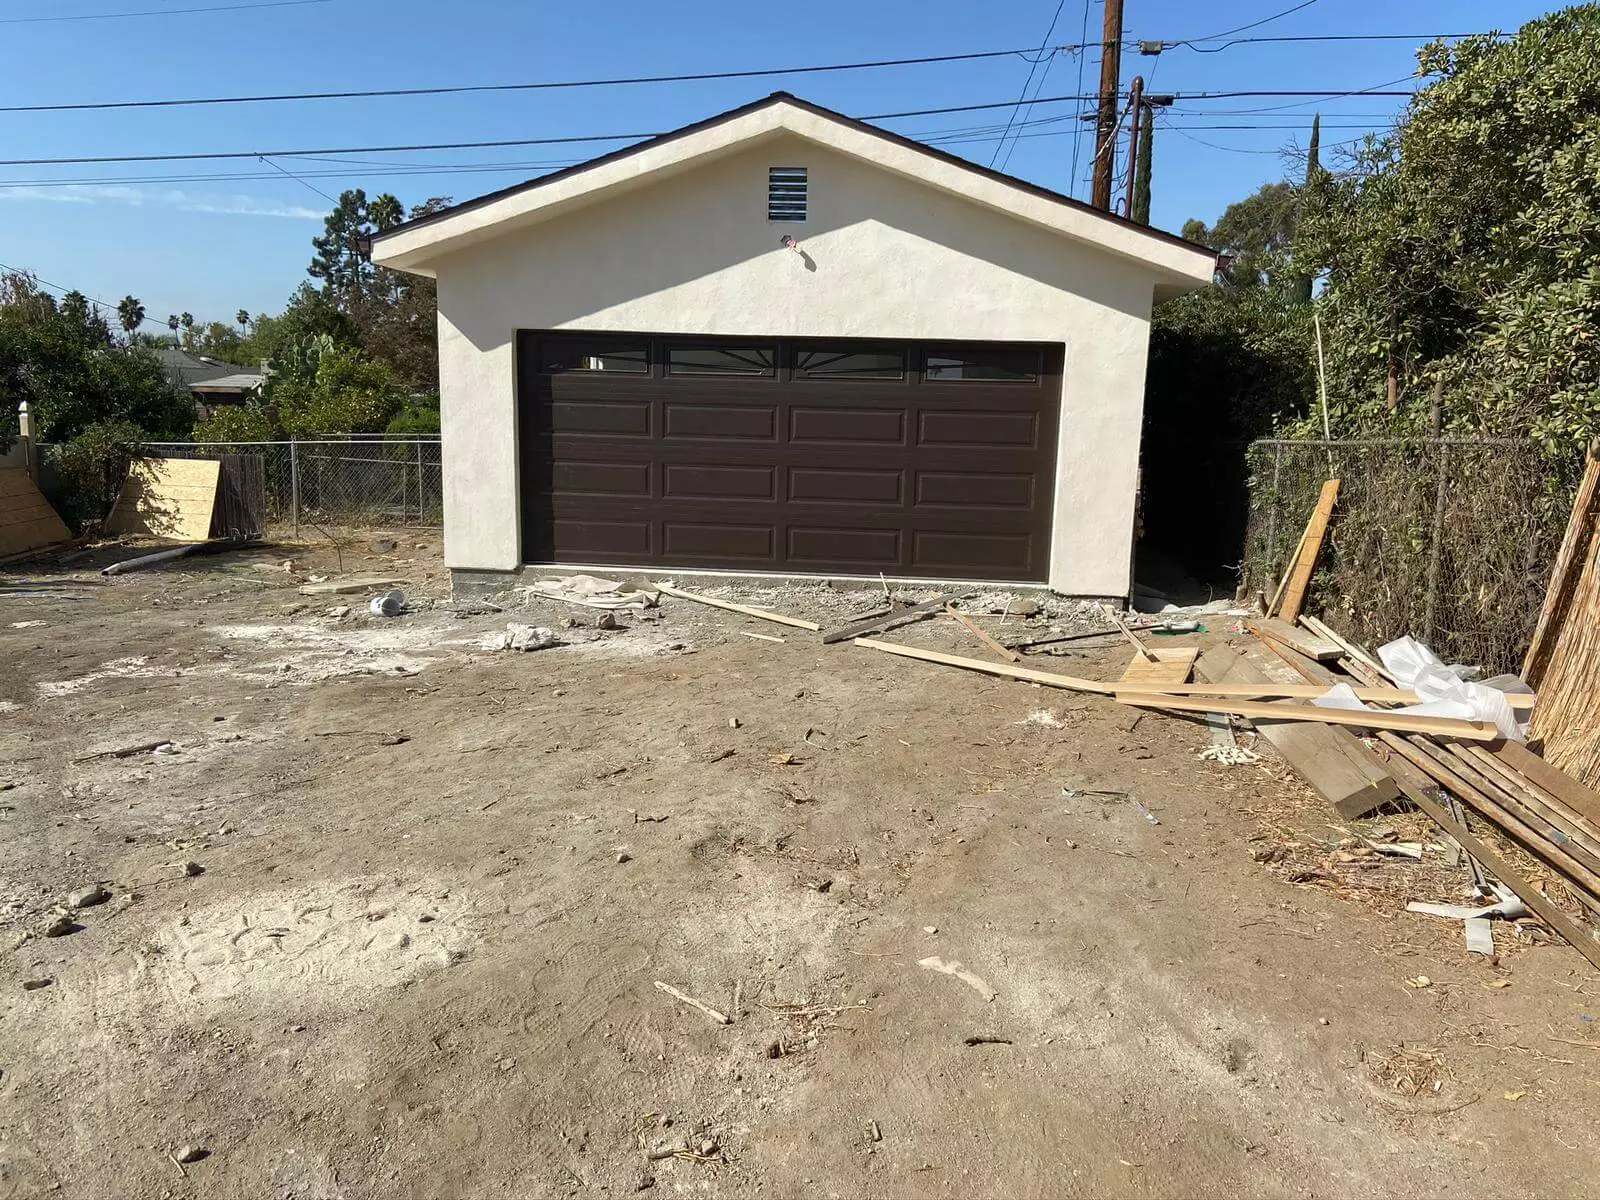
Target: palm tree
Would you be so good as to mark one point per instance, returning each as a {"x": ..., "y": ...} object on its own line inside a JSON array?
[
  {"x": 243, "y": 317},
  {"x": 187, "y": 320},
  {"x": 172, "y": 323},
  {"x": 130, "y": 313},
  {"x": 385, "y": 211}
]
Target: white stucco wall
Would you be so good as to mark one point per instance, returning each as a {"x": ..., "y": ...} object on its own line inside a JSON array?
[{"x": 693, "y": 253}]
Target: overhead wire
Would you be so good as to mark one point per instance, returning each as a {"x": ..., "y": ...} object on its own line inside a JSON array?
[
  {"x": 1257, "y": 24},
  {"x": 1026, "y": 83},
  {"x": 159, "y": 12},
  {"x": 55, "y": 287},
  {"x": 1077, "y": 141}
]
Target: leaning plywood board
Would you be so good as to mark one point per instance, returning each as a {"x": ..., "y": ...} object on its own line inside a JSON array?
[
  {"x": 26, "y": 519},
  {"x": 1171, "y": 668},
  {"x": 1332, "y": 760},
  {"x": 167, "y": 498}
]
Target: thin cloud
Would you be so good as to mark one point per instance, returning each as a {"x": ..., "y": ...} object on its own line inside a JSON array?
[{"x": 171, "y": 198}]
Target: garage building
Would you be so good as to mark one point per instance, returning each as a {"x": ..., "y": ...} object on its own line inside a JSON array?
[{"x": 782, "y": 340}]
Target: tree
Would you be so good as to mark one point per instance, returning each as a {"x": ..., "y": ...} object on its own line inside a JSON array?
[
  {"x": 242, "y": 318},
  {"x": 187, "y": 320},
  {"x": 1302, "y": 279},
  {"x": 385, "y": 211},
  {"x": 329, "y": 388},
  {"x": 1141, "y": 170},
  {"x": 1255, "y": 233},
  {"x": 172, "y": 324},
  {"x": 130, "y": 314},
  {"x": 1460, "y": 248}
]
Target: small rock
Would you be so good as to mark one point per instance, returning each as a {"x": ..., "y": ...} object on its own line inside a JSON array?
[
  {"x": 569, "y": 622},
  {"x": 645, "y": 1182},
  {"x": 606, "y": 620},
  {"x": 192, "y": 869},
  {"x": 1322, "y": 1020},
  {"x": 733, "y": 722},
  {"x": 383, "y": 546},
  {"x": 1023, "y": 608},
  {"x": 297, "y": 1029},
  {"x": 88, "y": 897},
  {"x": 559, "y": 692},
  {"x": 624, "y": 857},
  {"x": 708, "y": 1147},
  {"x": 505, "y": 1064},
  {"x": 191, "y": 1154},
  {"x": 1071, "y": 845},
  {"x": 339, "y": 611},
  {"x": 33, "y": 985},
  {"x": 60, "y": 927}
]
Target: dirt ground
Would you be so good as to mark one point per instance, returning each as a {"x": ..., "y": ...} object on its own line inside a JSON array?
[{"x": 433, "y": 887}]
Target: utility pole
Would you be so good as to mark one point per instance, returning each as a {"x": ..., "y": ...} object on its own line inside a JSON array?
[
  {"x": 1136, "y": 109},
  {"x": 1105, "y": 130}
]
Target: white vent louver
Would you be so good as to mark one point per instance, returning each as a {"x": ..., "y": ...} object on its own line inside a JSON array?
[{"x": 786, "y": 193}]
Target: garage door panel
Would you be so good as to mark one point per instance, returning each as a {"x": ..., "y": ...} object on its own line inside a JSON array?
[
  {"x": 701, "y": 481},
  {"x": 719, "y": 541},
  {"x": 612, "y": 417},
  {"x": 816, "y": 425},
  {"x": 978, "y": 428},
  {"x": 947, "y": 552},
  {"x": 898, "y": 474},
  {"x": 578, "y": 478},
  {"x": 811, "y": 545},
  {"x": 723, "y": 422},
  {"x": 590, "y": 540},
  {"x": 831, "y": 485},
  {"x": 972, "y": 489}
]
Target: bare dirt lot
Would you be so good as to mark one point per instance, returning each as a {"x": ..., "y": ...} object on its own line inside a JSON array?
[{"x": 387, "y": 917}]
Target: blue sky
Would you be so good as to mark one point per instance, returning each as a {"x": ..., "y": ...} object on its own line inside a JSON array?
[{"x": 239, "y": 236}]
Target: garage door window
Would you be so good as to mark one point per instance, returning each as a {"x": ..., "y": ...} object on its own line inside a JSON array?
[
  {"x": 722, "y": 360},
  {"x": 987, "y": 365},
  {"x": 577, "y": 356},
  {"x": 850, "y": 363}
]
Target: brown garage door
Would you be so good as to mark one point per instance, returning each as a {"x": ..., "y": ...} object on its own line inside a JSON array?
[{"x": 777, "y": 455}]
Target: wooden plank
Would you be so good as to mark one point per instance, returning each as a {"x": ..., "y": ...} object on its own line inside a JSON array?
[
  {"x": 1333, "y": 761},
  {"x": 1305, "y": 559},
  {"x": 1170, "y": 670},
  {"x": 971, "y": 626},
  {"x": 31, "y": 522},
  {"x": 1552, "y": 916},
  {"x": 984, "y": 666},
  {"x": 1354, "y": 650},
  {"x": 1301, "y": 640},
  {"x": 1564, "y": 577},
  {"x": 1477, "y": 731},
  {"x": 1566, "y": 829},
  {"x": 887, "y": 620},
  {"x": 1580, "y": 799},
  {"x": 1433, "y": 761},
  {"x": 364, "y": 583},
  {"x": 746, "y": 610},
  {"x": 1144, "y": 650},
  {"x": 167, "y": 498}
]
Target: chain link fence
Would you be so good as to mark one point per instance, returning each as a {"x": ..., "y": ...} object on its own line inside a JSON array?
[
  {"x": 1448, "y": 539},
  {"x": 346, "y": 481}
]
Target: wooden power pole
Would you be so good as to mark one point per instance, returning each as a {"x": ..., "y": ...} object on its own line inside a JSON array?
[{"x": 1105, "y": 129}]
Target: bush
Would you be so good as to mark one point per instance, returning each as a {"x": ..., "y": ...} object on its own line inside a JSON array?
[
  {"x": 89, "y": 471},
  {"x": 235, "y": 424},
  {"x": 420, "y": 417}
]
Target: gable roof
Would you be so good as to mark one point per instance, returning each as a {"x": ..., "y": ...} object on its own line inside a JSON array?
[{"x": 413, "y": 244}]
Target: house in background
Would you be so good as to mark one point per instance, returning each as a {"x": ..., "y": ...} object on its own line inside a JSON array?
[
  {"x": 785, "y": 341},
  {"x": 212, "y": 382}
]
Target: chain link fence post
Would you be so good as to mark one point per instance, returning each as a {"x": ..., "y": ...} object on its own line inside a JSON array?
[
  {"x": 422, "y": 500},
  {"x": 294, "y": 485}
]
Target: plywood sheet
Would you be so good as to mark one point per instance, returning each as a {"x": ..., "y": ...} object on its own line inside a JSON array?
[
  {"x": 26, "y": 519},
  {"x": 1171, "y": 667},
  {"x": 167, "y": 498}
]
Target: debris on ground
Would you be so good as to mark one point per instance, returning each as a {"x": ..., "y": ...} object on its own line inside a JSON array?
[{"x": 521, "y": 637}]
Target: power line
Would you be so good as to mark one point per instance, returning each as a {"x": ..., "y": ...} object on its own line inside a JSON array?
[
  {"x": 1190, "y": 43},
  {"x": 539, "y": 85},
  {"x": 297, "y": 179},
  {"x": 625, "y": 137},
  {"x": 1077, "y": 140},
  {"x": 55, "y": 287},
  {"x": 1026, "y": 83},
  {"x": 1257, "y": 24},
  {"x": 160, "y": 12}
]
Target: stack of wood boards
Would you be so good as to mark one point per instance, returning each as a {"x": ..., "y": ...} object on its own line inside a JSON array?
[
  {"x": 192, "y": 499},
  {"x": 1563, "y": 660},
  {"x": 1528, "y": 800},
  {"x": 27, "y": 521}
]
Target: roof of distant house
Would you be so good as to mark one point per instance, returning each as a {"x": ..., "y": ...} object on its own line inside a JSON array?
[
  {"x": 244, "y": 381},
  {"x": 187, "y": 370}
]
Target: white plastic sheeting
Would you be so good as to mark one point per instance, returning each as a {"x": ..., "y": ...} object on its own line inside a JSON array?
[{"x": 1446, "y": 690}]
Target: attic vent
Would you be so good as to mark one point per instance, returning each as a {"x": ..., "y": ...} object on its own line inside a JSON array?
[{"x": 786, "y": 193}]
